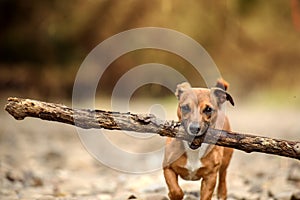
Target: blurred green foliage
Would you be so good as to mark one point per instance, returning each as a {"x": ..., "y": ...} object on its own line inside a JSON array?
[{"x": 253, "y": 42}]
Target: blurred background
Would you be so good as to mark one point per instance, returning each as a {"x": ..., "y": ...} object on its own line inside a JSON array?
[{"x": 255, "y": 44}]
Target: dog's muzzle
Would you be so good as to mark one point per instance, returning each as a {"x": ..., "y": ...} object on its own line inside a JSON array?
[{"x": 197, "y": 129}]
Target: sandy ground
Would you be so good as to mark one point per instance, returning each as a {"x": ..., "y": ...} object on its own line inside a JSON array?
[{"x": 47, "y": 160}]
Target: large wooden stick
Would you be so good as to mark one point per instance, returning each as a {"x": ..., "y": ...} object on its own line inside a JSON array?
[{"x": 147, "y": 123}]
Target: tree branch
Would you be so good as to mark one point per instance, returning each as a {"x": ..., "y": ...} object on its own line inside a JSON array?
[{"x": 147, "y": 123}]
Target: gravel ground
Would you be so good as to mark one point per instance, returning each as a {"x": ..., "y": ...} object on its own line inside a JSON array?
[{"x": 46, "y": 160}]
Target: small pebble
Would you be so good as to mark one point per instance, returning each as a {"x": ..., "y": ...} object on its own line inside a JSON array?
[
  {"x": 295, "y": 196},
  {"x": 132, "y": 197}
]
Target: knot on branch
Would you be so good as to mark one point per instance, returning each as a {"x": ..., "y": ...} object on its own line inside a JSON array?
[
  {"x": 145, "y": 118},
  {"x": 172, "y": 125},
  {"x": 149, "y": 118},
  {"x": 297, "y": 148}
]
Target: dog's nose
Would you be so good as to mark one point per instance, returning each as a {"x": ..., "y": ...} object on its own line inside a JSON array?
[{"x": 194, "y": 128}]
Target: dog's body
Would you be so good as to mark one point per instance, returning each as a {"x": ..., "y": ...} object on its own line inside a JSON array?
[{"x": 198, "y": 110}]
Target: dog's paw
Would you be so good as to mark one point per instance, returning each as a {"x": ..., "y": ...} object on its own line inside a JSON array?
[{"x": 176, "y": 194}]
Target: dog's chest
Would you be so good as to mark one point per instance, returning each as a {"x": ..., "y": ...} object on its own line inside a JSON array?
[{"x": 193, "y": 162}]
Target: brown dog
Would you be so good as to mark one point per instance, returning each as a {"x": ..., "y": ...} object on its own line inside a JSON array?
[{"x": 198, "y": 109}]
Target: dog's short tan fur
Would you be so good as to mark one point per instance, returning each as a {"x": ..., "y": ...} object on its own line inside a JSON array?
[{"x": 198, "y": 109}]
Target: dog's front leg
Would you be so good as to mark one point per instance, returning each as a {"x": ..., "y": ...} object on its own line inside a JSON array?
[
  {"x": 175, "y": 192},
  {"x": 207, "y": 186}
]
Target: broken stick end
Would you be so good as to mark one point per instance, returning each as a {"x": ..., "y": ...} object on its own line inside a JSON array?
[{"x": 10, "y": 107}]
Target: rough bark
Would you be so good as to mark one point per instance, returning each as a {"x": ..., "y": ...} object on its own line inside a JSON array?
[{"x": 147, "y": 123}]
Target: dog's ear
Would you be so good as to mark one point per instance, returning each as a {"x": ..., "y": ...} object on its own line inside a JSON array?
[
  {"x": 222, "y": 96},
  {"x": 181, "y": 88},
  {"x": 221, "y": 83}
]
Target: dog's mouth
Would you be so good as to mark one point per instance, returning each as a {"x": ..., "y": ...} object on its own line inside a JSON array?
[
  {"x": 194, "y": 132},
  {"x": 193, "y": 146},
  {"x": 196, "y": 144}
]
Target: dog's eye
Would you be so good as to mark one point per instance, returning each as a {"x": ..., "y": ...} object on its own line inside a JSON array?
[
  {"x": 185, "y": 108},
  {"x": 208, "y": 110}
]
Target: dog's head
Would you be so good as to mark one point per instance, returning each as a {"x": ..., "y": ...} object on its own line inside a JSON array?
[{"x": 198, "y": 107}]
